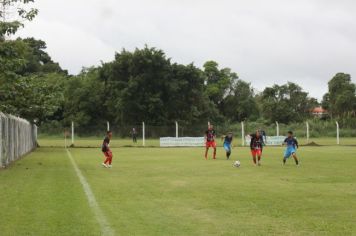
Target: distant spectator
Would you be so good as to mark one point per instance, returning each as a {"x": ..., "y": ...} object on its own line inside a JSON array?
[
  {"x": 134, "y": 135},
  {"x": 264, "y": 136}
]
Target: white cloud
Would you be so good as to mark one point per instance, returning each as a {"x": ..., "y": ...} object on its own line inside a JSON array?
[{"x": 265, "y": 42}]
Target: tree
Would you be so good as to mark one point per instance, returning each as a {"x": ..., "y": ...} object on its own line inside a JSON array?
[
  {"x": 136, "y": 86},
  {"x": 340, "y": 99},
  {"x": 145, "y": 85},
  {"x": 188, "y": 102},
  {"x": 24, "y": 91},
  {"x": 38, "y": 60},
  {"x": 84, "y": 99},
  {"x": 34, "y": 97},
  {"x": 219, "y": 83},
  {"x": 13, "y": 14},
  {"x": 286, "y": 103},
  {"x": 241, "y": 103},
  {"x": 12, "y": 57}
]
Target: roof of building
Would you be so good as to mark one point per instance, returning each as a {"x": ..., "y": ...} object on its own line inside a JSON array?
[{"x": 319, "y": 110}]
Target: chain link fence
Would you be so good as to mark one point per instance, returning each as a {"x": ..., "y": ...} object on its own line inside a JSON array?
[
  {"x": 17, "y": 138},
  {"x": 148, "y": 135}
]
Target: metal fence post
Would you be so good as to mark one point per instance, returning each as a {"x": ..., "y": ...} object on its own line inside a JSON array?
[
  {"x": 337, "y": 133},
  {"x": 143, "y": 134},
  {"x": 307, "y": 123},
  {"x": 72, "y": 133},
  {"x": 277, "y": 128},
  {"x": 1, "y": 141},
  {"x": 242, "y": 133},
  {"x": 177, "y": 129}
]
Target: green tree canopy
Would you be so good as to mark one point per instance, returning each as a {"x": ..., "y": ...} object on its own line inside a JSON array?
[
  {"x": 241, "y": 103},
  {"x": 340, "y": 99},
  {"x": 13, "y": 14},
  {"x": 286, "y": 103}
]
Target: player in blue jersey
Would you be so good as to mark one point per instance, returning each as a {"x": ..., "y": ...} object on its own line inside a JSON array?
[
  {"x": 291, "y": 150},
  {"x": 227, "y": 144}
]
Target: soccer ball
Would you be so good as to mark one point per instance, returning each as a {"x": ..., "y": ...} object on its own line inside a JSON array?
[{"x": 237, "y": 164}]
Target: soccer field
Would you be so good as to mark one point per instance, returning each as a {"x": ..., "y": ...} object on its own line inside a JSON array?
[{"x": 174, "y": 191}]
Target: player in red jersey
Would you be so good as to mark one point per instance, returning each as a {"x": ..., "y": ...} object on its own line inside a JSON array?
[
  {"x": 210, "y": 136},
  {"x": 256, "y": 146},
  {"x": 106, "y": 150}
]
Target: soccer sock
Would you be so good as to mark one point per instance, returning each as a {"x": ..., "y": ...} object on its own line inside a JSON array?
[
  {"x": 214, "y": 153},
  {"x": 228, "y": 154},
  {"x": 296, "y": 162},
  {"x": 206, "y": 153},
  {"x": 254, "y": 159},
  {"x": 110, "y": 160},
  {"x": 259, "y": 158},
  {"x": 107, "y": 160},
  {"x": 284, "y": 160}
]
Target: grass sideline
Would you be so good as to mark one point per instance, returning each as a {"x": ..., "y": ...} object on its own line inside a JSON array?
[{"x": 156, "y": 191}]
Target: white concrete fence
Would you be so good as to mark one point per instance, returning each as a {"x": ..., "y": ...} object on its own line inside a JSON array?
[{"x": 17, "y": 138}]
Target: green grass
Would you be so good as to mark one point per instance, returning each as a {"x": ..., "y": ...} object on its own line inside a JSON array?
[{"x": 173, "y": 191}]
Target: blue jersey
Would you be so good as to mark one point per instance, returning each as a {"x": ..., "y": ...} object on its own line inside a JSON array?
[
  {"x": 291, "y": 142},
  {"x": 227, "y": 140}
]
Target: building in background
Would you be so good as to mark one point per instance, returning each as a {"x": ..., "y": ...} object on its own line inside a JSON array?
[{"x": 319, "y": 112}]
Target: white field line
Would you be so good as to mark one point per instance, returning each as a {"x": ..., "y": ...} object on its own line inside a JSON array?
[{"x": 99, "y": 215}]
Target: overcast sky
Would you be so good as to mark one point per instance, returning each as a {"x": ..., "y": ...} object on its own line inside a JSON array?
[{"x": 265, "y": 42}]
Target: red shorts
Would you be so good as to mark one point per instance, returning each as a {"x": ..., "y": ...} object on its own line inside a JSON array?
[
  {"x": 256, "y": 152},
  {"x": 210, "y": 144},
  {"x": 108, "y": 154}
]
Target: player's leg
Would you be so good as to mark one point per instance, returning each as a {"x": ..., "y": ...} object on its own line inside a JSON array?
[
  {"x": 214, "y": 146},
  {"x": 229, "y": 153},
  {"x": 294, "y": 155},
  {"x": 106, "y": 159},
  {"x": 287, "y": 154},
  {"x": 110, "y": 159},
  {"x": 227, "y": 150},
  {"x": 206, "y": 151},
  {"x": 253, "y": 153},
  {"x": 259, "y": 155}
]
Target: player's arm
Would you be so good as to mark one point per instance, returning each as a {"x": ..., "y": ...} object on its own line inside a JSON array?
[
  {"x": 285, "y": 142},
  {"x": 296, "y": 143},
  {"x": 251, "y": 143}
]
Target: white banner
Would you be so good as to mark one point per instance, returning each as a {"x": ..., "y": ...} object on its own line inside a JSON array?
[
  {"x": 271, "y": 140},
  {"x": 182, "y": 142}
]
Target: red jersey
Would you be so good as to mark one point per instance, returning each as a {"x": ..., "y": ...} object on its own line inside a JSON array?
[{"x": 210, "y": 135}]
